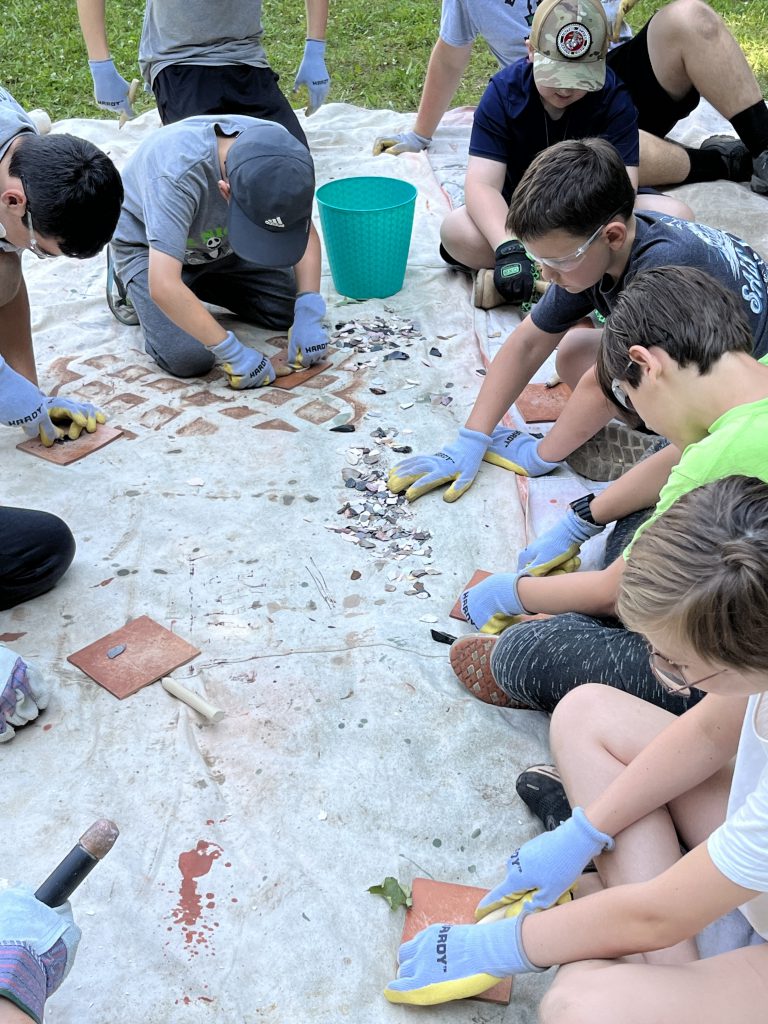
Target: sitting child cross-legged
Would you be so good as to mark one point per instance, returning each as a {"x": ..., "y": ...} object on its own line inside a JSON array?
[{"x": 643, "y": 782}]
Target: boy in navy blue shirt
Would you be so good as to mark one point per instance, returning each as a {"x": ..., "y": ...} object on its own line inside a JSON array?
[{"x": 562, "y": 91}]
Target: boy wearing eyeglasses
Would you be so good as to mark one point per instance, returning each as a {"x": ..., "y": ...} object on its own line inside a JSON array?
[
  {"x": 678, "y": 346},
  {"x": 59, "y": 195},
  {"x": 573, "y": 212},
  {"x": 563, "y": 90}
]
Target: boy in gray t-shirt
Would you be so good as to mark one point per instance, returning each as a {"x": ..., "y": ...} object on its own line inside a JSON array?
[
  {"x": 219, "y": 210},
  {"x": 206, "y": 58}
]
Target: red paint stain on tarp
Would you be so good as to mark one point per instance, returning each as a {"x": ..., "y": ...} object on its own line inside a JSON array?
[{"x": 193, "y": 864}]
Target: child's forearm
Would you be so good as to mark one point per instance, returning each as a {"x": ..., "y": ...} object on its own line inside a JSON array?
[
  {"x": 93, "y": 27},
  {"x": 307, "y": 270},
  {"x": 591, "y": 593},
  {"x": 488, "y": 210},
  {"x": 446, "y": 66},
  {"x": 519, "y": 358},
  {"x": 638, "y": 488},
  {"x": 637, "y": 918}
]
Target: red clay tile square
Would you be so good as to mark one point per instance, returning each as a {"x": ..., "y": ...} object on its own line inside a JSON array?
[
  {"x": 446, "y": 903},
  {"x": 540, "y": 404},
  {"x": 151, "y": 652},
  {"x": 62, "y": 453},
  {"x": 456, "y": 612},
  {"x": 292, "y": 379}
]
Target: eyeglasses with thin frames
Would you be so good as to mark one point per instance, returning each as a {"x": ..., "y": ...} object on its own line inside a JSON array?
[
  {"x": 574, "y": 258},
  {"x": 671, "y": 676},
  {"x": 34, "y": 245}
]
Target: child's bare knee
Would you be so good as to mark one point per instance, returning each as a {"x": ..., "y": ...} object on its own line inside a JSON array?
[
  {"x": 573, "y": 714},
  {"x": 10, "y": 277},
  {"x": 579, "y": 1000}
]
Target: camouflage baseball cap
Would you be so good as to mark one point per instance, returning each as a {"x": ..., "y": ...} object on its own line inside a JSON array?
[{"x": 570, "y": 41}]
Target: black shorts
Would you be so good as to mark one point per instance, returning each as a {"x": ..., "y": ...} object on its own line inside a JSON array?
[
  {"x": 657, "y": 111},
  {"x": 186, "y": 90}
]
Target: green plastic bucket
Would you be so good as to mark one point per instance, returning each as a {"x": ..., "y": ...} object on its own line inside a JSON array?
[{"x": 367, "y": 226}]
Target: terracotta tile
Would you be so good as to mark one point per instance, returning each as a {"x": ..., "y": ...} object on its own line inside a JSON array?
[
  {"x": 238, "y": 412},
  {"x": 446, "y": 903},
  {"x": 317, "y": 412},
  {"x": 197, "y": 428},
  {"x": 64, "y": 452},
  {"x": 151, "y": 652},
  {"x": 296, "y": 377},
  {"x": 539, "y": 404},
  {"x": 478, "y": 577},
  {"x": 275, "y": 425}
]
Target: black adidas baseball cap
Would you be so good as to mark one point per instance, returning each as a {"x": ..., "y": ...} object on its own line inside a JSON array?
[{"x": 272, "y": 182}]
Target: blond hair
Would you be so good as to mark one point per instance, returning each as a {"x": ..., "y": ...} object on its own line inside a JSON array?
[{"x": 699, "y": 574}]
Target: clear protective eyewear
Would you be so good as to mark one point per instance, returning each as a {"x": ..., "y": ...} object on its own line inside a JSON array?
[
  {"x": 34, "y": 245},
  {"x": 574, "y": 258},
  {"x": 620, "y": 393}
]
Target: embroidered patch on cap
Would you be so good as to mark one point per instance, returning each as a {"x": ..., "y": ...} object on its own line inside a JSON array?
[{"x": 573, "y": 40}]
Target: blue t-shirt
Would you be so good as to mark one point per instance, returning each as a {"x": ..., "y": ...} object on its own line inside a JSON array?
[
  {"x": 662, "y": 241},
  {"x": 511, "y": 125}
]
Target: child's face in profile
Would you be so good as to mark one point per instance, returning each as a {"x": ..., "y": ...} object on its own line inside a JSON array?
[
  {"x": 676, "y": 664},
  {"x": 577, "y": 262}
]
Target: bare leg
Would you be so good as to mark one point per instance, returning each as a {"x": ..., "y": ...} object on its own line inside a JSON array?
[
  {"x": 596, "y": 731},
  {"x": 463, "y": 240},
  {"x": 15, "y": 327},
  {"x": 730, "y": 987},
  {"x": 665, "y": 204},
  {"x": 662, "y": 162},
  {"x": 690, "y": 45}
]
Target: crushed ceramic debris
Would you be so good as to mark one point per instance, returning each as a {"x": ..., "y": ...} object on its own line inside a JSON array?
[
  {"x": 344, "y": 428},
  {"x": 396, "y": 355},
  {"x": 115, "y": 652},
  {"x": 196, "y": 481},
  {"x": 434, "y": 351},
  {"x": 406, "y": 405}
]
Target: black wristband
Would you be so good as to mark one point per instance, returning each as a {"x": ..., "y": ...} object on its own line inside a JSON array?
[{"x": 581, "y": 507}]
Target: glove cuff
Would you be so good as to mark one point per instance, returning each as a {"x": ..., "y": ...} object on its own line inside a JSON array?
[
  {"x": 310, "y": 302},
  {"x": 475, "y": 436},
  {"x": 93, "y": 64},
  {"x": 526, "y": 963},
  {"x": 23, "y": 980},
  {"x": 226, "y": 350},
  {"x": 512, "y": 247},
  {"x": 540, "y": 464},
  {"x": 315, "y": 46},
  {"x": 520, "y": 576},
  {"x": 424, "y": 140},
  {"x": 587, "y": 829},
  {"x": 580, "y": 527}
]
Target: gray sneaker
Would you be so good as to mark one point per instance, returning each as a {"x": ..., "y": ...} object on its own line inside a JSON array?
[
  {"x": 736, "y": 158},
  {"x": 611, "y": 452},
  {"x": 759, "y": 181}
]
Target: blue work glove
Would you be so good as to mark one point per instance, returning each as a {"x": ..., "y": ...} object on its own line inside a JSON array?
[
  {"x": 458, "y": 961},
  {"x": 456, "y": 464},
  {"x": 314, "y": 74},
  {"x": 110, "y": 89},
  {"x": 493, "y": 605},
  {"x": 22, "y": 404},
  {"x": 514, "y": 272},
  {"x": 74, "y": 417},
  {"x": 37, "y": 949},
  {"x": 516, "y": 450},
  {"x": 549, "y": 863},
  {"x": 558, "y": 546},
  {"x": 402, "y": 142},
  {"x": 307, "y": 338},
  {"x": 245, "y": 367},
  {"x": 23, "y": 693}
]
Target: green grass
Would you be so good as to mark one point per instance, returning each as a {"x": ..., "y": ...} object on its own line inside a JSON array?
[{"x": 377, "y": 54}]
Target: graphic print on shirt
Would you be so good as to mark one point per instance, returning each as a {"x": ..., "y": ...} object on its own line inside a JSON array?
[
  {"x": 213, "y": 245},
  {"x": 744, "y": 263},
  {"x": 530, "y": 6}
]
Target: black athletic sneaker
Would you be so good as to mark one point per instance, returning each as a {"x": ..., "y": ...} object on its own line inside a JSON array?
[
  {"x": 736, "y": 158},
  {"x": 541, "y": 790},
  {"x": 759, "y": 181}
]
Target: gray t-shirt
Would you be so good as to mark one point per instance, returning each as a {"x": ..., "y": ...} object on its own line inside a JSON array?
[
  {"x": 211, "y": 32},
  {"x": 503, "y": 25},
  {"x": 172, "y": 200},
  {"x": 13, "y": 121}
]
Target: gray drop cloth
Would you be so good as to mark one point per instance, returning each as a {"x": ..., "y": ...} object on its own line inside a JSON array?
[{"x": 237, "y": 890}]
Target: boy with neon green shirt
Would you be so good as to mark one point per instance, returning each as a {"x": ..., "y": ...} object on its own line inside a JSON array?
[{"x": 692, "y": 379}]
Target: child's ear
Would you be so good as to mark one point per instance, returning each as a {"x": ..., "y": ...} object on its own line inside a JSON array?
[
  {"x": 646, "y": 359},
  {"x": 616, "y": 233},
  {"x": 14, "y": 201},
  {"x": 529, "y": 48}
]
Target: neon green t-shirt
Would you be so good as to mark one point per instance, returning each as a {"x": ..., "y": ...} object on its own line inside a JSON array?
[{"x": 736, "y": 445}]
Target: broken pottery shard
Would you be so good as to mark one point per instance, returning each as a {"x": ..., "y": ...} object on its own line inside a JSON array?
[
  {"x": 377, "y": 391},
  {"x": 397, "y": 354},
  {"x": 115, "y": 652},
  {"x": 436, "y": 352},
  {"x": 344, "y": 428}
]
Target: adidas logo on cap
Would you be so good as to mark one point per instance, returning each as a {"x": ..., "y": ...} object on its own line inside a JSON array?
[{"x": 274, "y": 222}]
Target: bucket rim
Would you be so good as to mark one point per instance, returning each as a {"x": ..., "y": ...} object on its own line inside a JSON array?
[{"x": 331, "y": 205}]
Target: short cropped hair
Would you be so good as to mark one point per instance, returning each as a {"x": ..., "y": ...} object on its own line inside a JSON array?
[
  {"x": 73, "y": 191},
  {"x": 683, "y": 311},
  {"x": 699, "y": 574},
  {"x": 573, "y": 186}
]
